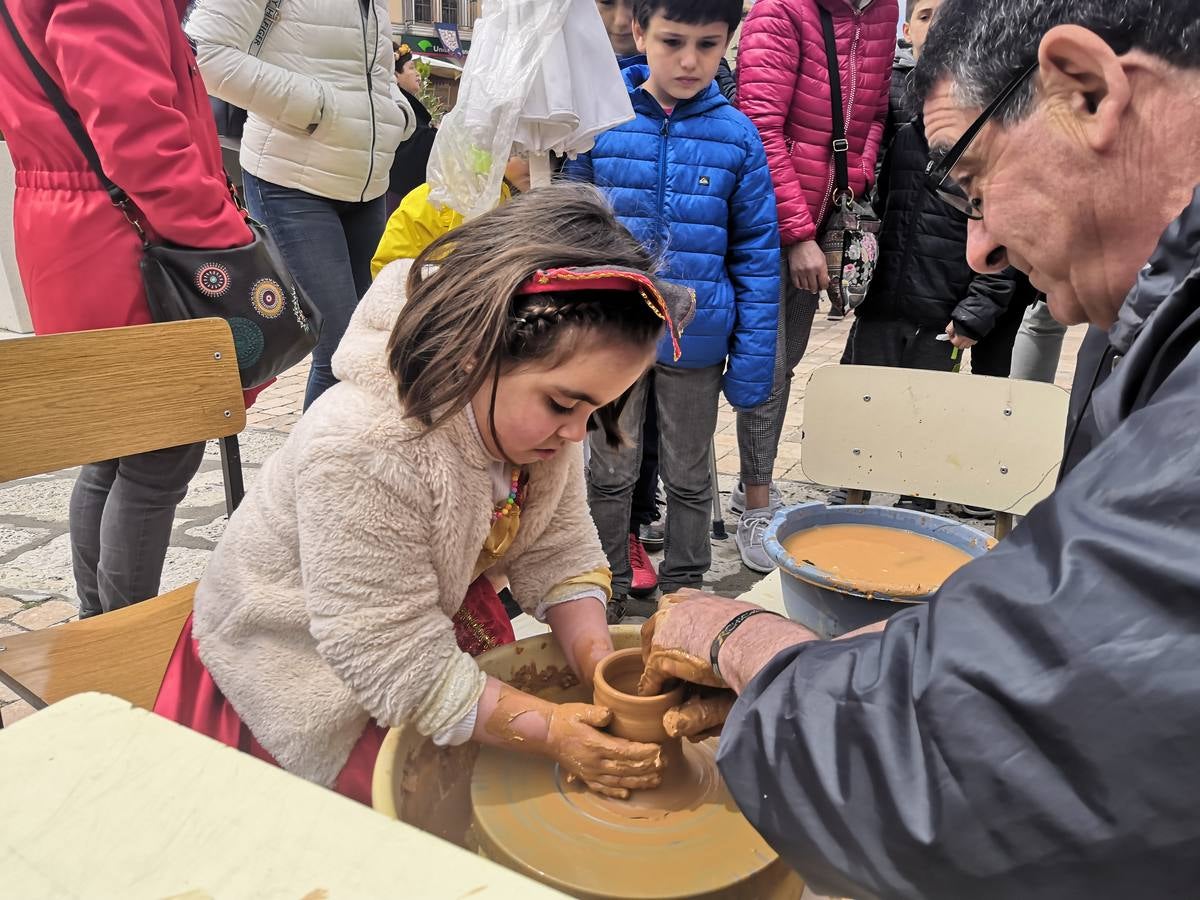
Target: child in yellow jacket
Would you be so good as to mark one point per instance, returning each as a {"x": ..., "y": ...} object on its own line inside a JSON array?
[{"x": 417, "y": 223}]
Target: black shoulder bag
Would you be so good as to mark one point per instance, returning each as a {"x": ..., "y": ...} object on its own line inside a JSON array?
[
  {"x": 849, "y": 236},
  {"x": 274, "y": 324}
]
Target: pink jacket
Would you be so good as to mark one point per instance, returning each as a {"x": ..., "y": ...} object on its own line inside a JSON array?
[{"x": 783, "y": 86}]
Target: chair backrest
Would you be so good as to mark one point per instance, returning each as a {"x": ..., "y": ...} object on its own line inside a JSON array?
[
  {"x": 82, "y": 397},
  {"x": 990, "y": 442}
]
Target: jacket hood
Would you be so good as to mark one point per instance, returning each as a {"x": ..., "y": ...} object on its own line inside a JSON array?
[
  {"x": 904, "y": 61},
  {"x": 635, "y": 76},
  {"x": 361, "y": 357},
  {"x": 1176, "y": 258}
]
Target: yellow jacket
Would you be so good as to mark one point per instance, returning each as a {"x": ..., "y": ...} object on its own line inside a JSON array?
[{"x": 415, "y": 225}]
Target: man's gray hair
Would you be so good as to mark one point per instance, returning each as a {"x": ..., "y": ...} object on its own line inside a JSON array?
[{"x": 981, "y": 45}]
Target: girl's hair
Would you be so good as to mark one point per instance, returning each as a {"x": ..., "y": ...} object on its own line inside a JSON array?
[{"x": 463, "y": 320}]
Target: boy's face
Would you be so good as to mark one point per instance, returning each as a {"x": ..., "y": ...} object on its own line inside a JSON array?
[
  {"x": 683, "y": 58},
  {"x": 617, "y": 16},
  {"x": 916, "y": 29}
]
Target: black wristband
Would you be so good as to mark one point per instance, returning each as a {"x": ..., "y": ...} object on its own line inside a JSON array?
[{"x": 724, "y": 633}]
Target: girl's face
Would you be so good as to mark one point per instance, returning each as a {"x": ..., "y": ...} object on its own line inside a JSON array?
[
  {"x": 408, "y": 78},
  {"x": 540, "y": 409}
]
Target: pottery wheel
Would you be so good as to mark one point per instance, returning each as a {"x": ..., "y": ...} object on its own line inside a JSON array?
[{"x": 527, "y": 817}]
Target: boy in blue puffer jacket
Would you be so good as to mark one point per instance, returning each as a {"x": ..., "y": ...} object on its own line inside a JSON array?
[{"x": 688, "y": 176}]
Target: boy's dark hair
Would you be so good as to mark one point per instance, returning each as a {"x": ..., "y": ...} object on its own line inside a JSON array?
[
  {"x": 909, "y": 8},
  {"x": 690, "y": 12}
]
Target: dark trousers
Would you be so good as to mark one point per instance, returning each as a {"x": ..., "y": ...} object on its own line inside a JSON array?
[
  {"x": 645, "y": 492},
  {"x": 328, "y": 245},
  {"x": 121, "y": 515},
  {"x": 993, "y": 355},
  {"x": 900, "y": 344}
]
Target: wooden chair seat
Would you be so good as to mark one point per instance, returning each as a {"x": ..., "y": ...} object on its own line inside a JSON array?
[{"x": 123, "y": 653}]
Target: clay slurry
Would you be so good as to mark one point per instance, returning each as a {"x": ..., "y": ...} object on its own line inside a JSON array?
[{"x": 877, "y": 559}]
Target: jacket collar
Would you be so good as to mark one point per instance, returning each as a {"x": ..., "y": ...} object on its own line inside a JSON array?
[{"x": 636, "y": 75}]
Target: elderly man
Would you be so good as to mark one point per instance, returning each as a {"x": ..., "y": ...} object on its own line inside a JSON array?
[{"x": 1033, "y": 731}]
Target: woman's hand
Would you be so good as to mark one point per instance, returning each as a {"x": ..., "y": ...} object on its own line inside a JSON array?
[
  {"x": 605, "y": 764},
  {"x": 807, "y": 267}
]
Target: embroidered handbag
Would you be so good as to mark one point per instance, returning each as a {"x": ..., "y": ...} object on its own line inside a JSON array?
[
  {"x": 849, "y": 235},
  {"x": 274, "y": 324}
]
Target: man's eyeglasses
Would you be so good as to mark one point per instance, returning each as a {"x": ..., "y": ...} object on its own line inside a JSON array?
[{"x": 937, "y": 173}]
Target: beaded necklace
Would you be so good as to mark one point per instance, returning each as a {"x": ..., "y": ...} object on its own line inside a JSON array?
[{"x": 505, "y": 507}]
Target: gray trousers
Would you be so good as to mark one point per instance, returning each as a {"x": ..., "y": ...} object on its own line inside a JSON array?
[
  {"x": 686, "y": 400},
  {"x": 122, "y": 511},
  {"x": 1039, "y": 345},
  {"x": 759, "y": 429}
]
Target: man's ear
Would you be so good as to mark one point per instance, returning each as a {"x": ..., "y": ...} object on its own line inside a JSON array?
[{"x": 1083, "y": 79}]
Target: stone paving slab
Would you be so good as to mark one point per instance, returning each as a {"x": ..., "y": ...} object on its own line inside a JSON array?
[{"x": 37, "y": 589}]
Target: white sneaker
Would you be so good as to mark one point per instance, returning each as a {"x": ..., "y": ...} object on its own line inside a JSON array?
[
  {"x": 750, "y": 533},
  {"x": 737, "y": 499}
]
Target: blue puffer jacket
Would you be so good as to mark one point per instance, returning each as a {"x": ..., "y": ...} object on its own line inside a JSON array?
[{"x": 695, "y": 188}]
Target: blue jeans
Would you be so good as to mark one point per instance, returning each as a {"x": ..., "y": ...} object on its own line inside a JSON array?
[{"x": 328, "y": 245}]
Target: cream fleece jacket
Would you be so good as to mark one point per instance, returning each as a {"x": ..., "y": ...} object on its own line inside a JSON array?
[{"x": 328, "y": 600}]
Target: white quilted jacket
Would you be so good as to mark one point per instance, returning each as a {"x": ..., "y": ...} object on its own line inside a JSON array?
[{"x": 324, "y": 65}]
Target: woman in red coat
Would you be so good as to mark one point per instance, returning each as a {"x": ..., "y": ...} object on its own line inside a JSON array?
[{"x": 126, "y": 67}]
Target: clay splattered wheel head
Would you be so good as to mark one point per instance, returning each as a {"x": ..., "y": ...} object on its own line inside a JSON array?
[{"x": 685, "y": 839}]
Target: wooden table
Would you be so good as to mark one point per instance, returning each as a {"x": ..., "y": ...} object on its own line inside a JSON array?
[{"x": 98, "y": 799}]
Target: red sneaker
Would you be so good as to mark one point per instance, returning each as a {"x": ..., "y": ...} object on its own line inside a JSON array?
[{"x": 645, "y": 579}]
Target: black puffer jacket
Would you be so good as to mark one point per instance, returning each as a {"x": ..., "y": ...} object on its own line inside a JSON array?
[
  {"x": 412, "y": 156},
  {"x": 923, "y": 276},
  {"x": 1032, "y": 731}
]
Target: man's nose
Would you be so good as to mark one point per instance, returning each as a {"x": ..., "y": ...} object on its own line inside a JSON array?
[{"x": 985, "y": 254}]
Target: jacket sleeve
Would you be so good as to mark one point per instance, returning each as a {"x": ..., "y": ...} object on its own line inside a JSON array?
[
  {"x": 569, "y": 546},
  {"x": 411, "y": 228},
  {"x": 878, "y": 127},
  {"x": 753, "y": 265},
  {"x": 223, "y": 31},
  {"x": 986, "y": 300},
  {"x": 769, "y": 58},
  {"x": 145, "y": 143},
  {"x": 1031, "y": 731},
  {"x": 372, "y": 593}
]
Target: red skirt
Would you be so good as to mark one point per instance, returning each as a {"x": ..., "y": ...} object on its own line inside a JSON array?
[{"x": 188, "y": 695}]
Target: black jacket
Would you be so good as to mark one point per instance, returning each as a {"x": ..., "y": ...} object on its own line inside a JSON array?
[
  {"x": 923, "y": 276},
  {"x": 1032, "y": 731},
  {"x": 412, "y": 156},
  {"x": 726, "y": 83}
]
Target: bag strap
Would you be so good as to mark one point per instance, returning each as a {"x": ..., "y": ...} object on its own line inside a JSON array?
[
  {"x": 69, "y": 117},
  {"x": 270, "y": 17},
  {"x": 841, "y": 147}
]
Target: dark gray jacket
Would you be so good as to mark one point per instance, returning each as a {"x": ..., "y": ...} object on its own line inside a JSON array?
[{"x": 1033, "y": 731}]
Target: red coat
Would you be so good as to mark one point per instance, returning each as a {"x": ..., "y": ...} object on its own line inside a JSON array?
[
  {"x": 127, "y": 69},
  {"x": 783, "y": 86}
]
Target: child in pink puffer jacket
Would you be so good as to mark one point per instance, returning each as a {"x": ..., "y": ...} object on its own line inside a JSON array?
[{"x": 783, "y": 86}]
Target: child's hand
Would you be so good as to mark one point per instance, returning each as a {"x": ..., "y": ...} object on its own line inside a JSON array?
[{"x": 605, "y": 764}]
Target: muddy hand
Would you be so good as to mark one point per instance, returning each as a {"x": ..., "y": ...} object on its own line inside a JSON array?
[
  {"x": 700, "y": 716},
  {"x": 607, "y": 765},
  {"x": 677, "y": 639}
]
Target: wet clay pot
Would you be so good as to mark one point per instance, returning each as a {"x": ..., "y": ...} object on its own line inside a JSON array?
[{"x": 635, "y": 718}]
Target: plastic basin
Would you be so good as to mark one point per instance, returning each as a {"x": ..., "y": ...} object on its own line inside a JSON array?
[{"x": 830, "y": 608}]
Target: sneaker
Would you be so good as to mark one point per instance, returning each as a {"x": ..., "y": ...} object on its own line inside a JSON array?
[
  {"x": 917, "y": 504},
  {"x": 653, "y": 536},
  {"x": 737, "y": 499},
  {"x": 645, "y": 578},
  {"x": 750, "y": 532},
  {"x": 970, "y": 512}
]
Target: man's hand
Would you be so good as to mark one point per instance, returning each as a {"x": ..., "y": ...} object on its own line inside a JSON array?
[
  {"x": 807, "y": 267},
  {"x": 701, "y": 715},
  {"x": 677, "y": 639},
  {"x": 958, "y": 340}
]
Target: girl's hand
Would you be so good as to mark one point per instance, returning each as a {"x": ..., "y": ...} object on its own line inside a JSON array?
[{"x": 607, "y": 765}]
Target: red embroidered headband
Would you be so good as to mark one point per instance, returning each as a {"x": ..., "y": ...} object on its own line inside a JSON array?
[{"x": 672, "y": 303}]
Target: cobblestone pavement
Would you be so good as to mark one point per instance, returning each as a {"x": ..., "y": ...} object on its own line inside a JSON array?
[{"x": 36, "y": 585}]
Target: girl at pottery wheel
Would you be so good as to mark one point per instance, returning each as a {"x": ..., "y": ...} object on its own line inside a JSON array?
[{"x": 351, "y": 589}]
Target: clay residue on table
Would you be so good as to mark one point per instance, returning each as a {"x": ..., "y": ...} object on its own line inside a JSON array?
[{"x": 435, "y": 790}]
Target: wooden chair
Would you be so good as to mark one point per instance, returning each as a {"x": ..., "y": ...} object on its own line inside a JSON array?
[
  {"x": 989, "y": 442},
  {"x": 71, "y": 399}
]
